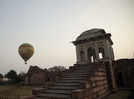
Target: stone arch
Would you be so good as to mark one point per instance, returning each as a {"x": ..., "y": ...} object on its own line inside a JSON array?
[
  {"x": 101, "y": 52},
  {"x": 91, "y": 55}
]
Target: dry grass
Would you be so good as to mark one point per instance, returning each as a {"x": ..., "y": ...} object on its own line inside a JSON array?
[{"x": 15, "y": 90}]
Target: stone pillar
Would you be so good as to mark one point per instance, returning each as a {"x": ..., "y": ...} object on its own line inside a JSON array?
[
  {"x": 77, "y": 54},
  {"x": 112, "y": 53},
  {"x": 107, "y": 50},
  {"x": 86, "y": 54},
  {"x": 97, "y": 52},
  {"x": 112, "y": 74}
]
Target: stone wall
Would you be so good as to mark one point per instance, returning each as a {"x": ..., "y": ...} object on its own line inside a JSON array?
[
  {"x": 35, "y": 76},
  {"x": 124, "y": 71},
  {"x": 96, "y": 87},
  {"x": 100, "y": 84}
]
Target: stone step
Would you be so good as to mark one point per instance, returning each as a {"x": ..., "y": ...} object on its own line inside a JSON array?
[
  {"x": 76, "y": 76},
  {"x": 83, "y": 70},
  {"x": 68, "y": 84},
  {"x": 52, "y": 95},
  {"x": 70, "y": 81},
  {"x": 65, "y": 92},
  {"x": 76, "y": 73},
  {"x": 63, "y": 87},
  {"x": 67, "y": 76},
  {"x": 80, "y": 73},
  {"x": 77, "y": 67},
  {"x": 80, "y": 68},
  {"x": 73, "y": 78}
]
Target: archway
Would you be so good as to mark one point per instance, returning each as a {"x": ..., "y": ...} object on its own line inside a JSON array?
[
  {"x": 101, "y": 53},
  {"x": 91, "y": 55}
]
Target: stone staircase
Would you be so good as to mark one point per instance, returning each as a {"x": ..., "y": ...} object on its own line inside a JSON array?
[{"x": 72, "y": 80}]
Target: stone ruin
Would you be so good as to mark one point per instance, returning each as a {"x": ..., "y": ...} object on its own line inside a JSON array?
[
  {"x": 93, "y": 46},
  {"x": 124, "y": 72},
  {"x": 92, "y": 75},
  {"x": 35, "y": 76}
]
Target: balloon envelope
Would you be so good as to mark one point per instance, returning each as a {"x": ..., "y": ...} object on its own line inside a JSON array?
[{"x": 26, "y": 51}]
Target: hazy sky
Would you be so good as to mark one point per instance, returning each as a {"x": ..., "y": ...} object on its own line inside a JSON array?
[{"x": 51, "y": 25}]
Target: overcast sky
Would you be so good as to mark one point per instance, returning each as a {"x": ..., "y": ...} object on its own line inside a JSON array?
[{"x": 51, "y": 25}]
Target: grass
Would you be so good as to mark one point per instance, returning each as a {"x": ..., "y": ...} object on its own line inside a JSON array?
[{"x": 15, "y": 90}]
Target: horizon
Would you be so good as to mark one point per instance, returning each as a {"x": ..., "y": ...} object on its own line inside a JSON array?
[{"x": 50, "y": 26}]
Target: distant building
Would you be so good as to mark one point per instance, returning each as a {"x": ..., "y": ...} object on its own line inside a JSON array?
[
  {"x": 5, "y": 79},
  {"x": 35, "y": 76},
  {"x": 1, "y": 77}
]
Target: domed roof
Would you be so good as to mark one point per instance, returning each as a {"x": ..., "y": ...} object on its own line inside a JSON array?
[{"x": 91, "y": 33}]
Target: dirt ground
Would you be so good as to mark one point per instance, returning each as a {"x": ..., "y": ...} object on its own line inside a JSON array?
[
  {"x": 122, "y": 95},
  {"x": 20, "y": 90}
]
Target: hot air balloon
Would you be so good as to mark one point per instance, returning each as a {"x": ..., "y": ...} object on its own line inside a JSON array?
[{"x": 26, "y": 51}]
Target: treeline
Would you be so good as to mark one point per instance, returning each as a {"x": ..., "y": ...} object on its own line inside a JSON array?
[{"x": 12, "y": 77}]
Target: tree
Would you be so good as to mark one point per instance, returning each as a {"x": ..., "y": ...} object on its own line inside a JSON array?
[
  {"x": 1, "y": 75},
  {"x": 12, "y": 75},
  {"x": 21, "y": 76},
  {"x": 57, "y": 69}
]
